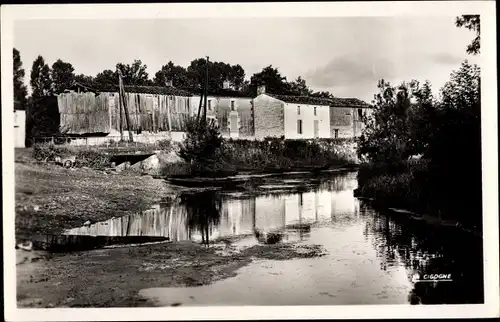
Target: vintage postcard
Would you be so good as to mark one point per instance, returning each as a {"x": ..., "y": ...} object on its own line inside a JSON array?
[{"x": 250, "y": 161}]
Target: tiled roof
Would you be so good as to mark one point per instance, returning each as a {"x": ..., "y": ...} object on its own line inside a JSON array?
[
  {"x": 222, "y": 92},
  {"x": 349, "y": 102},
  {"x": 311, "y": 100},
  {"x": 160, "y": 90}
]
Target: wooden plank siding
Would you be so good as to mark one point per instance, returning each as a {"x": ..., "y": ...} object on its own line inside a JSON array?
[{"x": 82, "y": 113}]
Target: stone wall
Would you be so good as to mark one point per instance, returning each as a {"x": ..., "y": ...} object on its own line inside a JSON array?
[
  {"x": 269, "y": 114},
  {"x": 347, "y": 121}
]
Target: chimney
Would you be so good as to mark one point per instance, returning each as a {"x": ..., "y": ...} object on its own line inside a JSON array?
[
  {"x": 261, "y": 89},
  {"x": 169, "y": 83},
  {"x": 226, "y": 85}
]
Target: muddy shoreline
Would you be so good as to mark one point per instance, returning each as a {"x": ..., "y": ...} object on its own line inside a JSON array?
[{"x": 113, "y": 277}]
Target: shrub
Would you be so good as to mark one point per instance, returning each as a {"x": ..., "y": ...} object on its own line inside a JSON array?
[
  {"x": 48, "y": 152},
  {"x": 202, "y": 146},
  {"x": 88, "y": 158}
]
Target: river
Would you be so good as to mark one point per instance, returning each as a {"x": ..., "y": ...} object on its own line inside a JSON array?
[{"x": 371, "y": 257}]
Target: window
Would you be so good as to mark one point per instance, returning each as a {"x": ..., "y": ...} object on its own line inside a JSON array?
[
  {"x": 298, "y": 110},
  {"x": 336, "y": 133},
  {"x": 232, "y": 106},
  {"x": 299, "y": 126},
  {"x": 209, "y": 105},
  {"x": 315, "y": 111},
  {"x": 360, "y": 113}
]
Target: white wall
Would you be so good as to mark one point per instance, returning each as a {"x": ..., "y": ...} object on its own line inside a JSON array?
[
  {"x": 19, "y": 128},
  {"x": 307, "y": 116}
]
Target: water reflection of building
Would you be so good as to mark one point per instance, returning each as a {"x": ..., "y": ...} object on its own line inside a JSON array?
[{"x": 200, "y": 219}]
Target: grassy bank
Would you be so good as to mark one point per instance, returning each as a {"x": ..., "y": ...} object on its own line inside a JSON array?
[
  {"x": 272, "y": 155},
  {"x": 288, "y": 154},
  {"x": 423, "y": 188}
]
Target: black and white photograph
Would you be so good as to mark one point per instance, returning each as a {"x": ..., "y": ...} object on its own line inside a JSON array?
[{"x": 231, "y": 160}]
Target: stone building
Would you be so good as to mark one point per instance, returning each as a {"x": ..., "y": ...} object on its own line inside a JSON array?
[{"x": 306, "y": 117}]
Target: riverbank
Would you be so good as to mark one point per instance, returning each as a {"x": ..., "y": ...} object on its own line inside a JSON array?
[{"x": 411, "y": 189}]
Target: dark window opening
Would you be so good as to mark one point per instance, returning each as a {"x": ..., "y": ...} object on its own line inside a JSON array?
[
  {"x": 299, "y": 126},
  {"x": 360, "y": 113},
  {"x": 232, "y": 106},
  {"x": 298, "y": 110},
  {"x": 336, "y": 133},
  {"x": 315, "y": 111}
]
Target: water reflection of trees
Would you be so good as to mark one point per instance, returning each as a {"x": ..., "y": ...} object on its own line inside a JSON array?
[
  {"x": 424, "y": 249},
  {"x": 204, "y": 211}
]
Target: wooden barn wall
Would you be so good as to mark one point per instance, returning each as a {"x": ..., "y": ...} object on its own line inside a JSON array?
[
  {"x": 152, "y": 113},
  {"x": 83, "y": 113},
  {"x": 86, "y": 113}
]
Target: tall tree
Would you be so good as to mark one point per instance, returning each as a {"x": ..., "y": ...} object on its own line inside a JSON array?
[
  {"x": 471, "y": 22},
  {"x": 84, "y": 79},
  {"x": 20, "y": 90},
  {"x": 178, "y": 75},
  {"x": 62, "y": 76},
  {"x": 299, "y": 87},
  {"x": 236, "y": 76},
  {"x": 41, "y": 83},
  {"x": 105, "y": 79},
  {"x": 386, "y": 136},
  {"x": 270, "y": 77},
  {"x": 135, "y": 73}
]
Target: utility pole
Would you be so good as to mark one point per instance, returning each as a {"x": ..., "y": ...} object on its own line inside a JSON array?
[
  {"x": 206, "y": 92},
  {"x": 122, "y": 97}
]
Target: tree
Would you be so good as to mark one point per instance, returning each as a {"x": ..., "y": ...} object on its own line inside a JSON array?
[
  {"x": 471, "y": 22},
  {"x": 236, "y": 76},
  {"x": 62, "y": 76},
  {"x": 272, "y": 79},
  {"x": 322, "y": 94},
  {"x": 84, "y": 79},
  {"x": 171, "y": 72},
  {"x": 105, "y": 79},
  {"x": 134, "y": 74},
  {"x": 386, "y": 136},
  {"x": 218, "y": 73},
  {"x": 300, "y": 88},
  {"x": 41, "y": 83},
  {"x": 20, "y": 90}
]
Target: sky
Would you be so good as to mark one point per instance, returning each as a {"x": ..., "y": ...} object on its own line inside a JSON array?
[{"x": 344, "y": 55}]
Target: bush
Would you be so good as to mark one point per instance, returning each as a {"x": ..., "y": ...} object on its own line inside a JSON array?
[
  {"x": 48, "y": 152},
  {"x": 165, "y": 145},
  {"x": 202, "y": 147},
  {"x": 84, "y": 158},
  {"x": 278, "y": 153}
]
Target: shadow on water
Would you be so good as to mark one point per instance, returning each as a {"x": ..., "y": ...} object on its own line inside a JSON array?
[{"x": 426, "y": 250}]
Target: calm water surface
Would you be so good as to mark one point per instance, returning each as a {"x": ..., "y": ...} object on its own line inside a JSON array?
[{"x": 371, "y": 256}]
